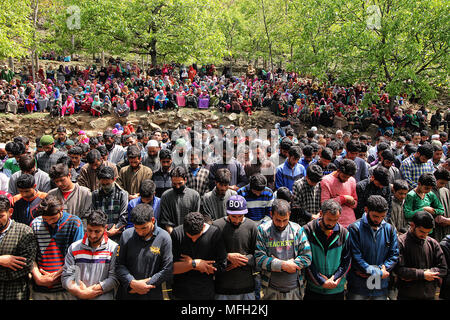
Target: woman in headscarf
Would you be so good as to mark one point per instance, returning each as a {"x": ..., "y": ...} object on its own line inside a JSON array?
[
  {"x": 31, "y": 102},
  {"x": 181, "y": 97},
  {"x": 107, "y": 104},
  {"x": 87, "y": 102},
  {"x": 96, "y": 107},
  {"x": 192, "y": 73},
  {"x": 83, "y": 138},
  {"x": 203, "y": 100},
  {"x": 69, "y": 106},
  {"x": 131, "y": 100},
  {"x": 399, "y": 119}
]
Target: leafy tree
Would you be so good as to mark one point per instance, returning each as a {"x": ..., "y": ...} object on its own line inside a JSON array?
[{"x": 15, "y": 28}]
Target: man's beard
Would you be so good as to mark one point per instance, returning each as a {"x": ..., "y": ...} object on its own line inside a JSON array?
[
  {"x": 3, "y": 226},
  {"x": 180, "y": 189},
  {"x": 326, "y": 227},
  {"x": 235, "y": 226},
  {"x": 371, "y": 223}
]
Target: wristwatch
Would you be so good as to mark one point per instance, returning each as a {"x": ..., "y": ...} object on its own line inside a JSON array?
[{"x": 194, "y": 265}]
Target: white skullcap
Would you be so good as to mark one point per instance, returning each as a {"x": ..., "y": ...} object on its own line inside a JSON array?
[{"x": 152, "y": 143}]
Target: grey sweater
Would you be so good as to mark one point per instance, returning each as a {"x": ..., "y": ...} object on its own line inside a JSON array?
[
  {"x": 41, "y": 179},
  {"x": 78, "y": 202},
  {"x": 213, "y": 206},
  {"x": 174, "y": 207}
]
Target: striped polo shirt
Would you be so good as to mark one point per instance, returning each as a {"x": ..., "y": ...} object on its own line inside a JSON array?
[
  {"x": 92, "y": 265},
  {"x": 53, "y": 243},
  {"x": 258, "y": 206}
]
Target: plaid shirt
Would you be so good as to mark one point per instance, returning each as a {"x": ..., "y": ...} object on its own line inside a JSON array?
[
  {"x": 412, "y": 169},
  {"x": 18, "y": 240},
  {"x": 307, "y": 199},
  {"x": 114, "y": 204},
  {"x": 199, "y": 182},
  {"x": 45, "y": 161}
]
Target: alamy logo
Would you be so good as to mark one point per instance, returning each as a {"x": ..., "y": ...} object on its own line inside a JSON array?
[
  {"x": 374, "y": 19},
  {"x": 374, "y": 282},
  {"x": 73, "y": 22}
]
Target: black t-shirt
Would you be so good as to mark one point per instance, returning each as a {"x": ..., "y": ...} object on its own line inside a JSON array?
[{"x": 210, "y": 246}]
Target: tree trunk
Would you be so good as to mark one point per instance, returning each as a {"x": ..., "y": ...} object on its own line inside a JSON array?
[
  {"x": 36, "y": 56},
  {"x": 72, "y": 40},
  {"x": 103, "y": 59},
  {"x": 153, "y": 52},
  {"x": 292, "y": 52},
  {"x": 268, "y": 36},
  {"x": 33, "y": 67},
  {"x": 11, "y": 63}
]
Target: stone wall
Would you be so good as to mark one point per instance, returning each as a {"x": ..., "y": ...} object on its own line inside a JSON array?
[{"x": 38, "y": 124}]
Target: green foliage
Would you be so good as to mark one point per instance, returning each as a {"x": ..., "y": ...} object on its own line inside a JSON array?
[
  {"x": 402, "y": 43},
  {"x": 15, "y": 28},
  {"x": 183, "y": 31}
]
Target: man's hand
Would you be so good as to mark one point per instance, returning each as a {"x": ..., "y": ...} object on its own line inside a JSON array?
[
  {"x": 48, "y": 279},
  {"x": 429, "y": 209},
  {"x": 133, "y": 196},
  {"x": 385, "y": 273},
  {"x": 87, "y": 293},
  {"x": 13, "y": 262},
  {"x": 290, "y": 266},
  {"x": 330, "y": 283},
  {"x": 430, "y": 275},
  {"x": 349, "y": 200},
  {"x": 205, "y": 266},
  {"x": 140, "y": 286},
  {"x": 237, "y": 259},
  {"x": 114, "y": 230}
]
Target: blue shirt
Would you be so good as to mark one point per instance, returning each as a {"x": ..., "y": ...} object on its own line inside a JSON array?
[
  {"x": 411, "y": 169},
  {"x": 370, "y": 250},
  {"x": 286, "y": 176},
  {"x": 362, "y": 170},
  {"x": 195, "y": 171},
  {"x": 133, "y": 203},
  {"x": 258, "y": 206},
  {"x": 306, "y": 164}
]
